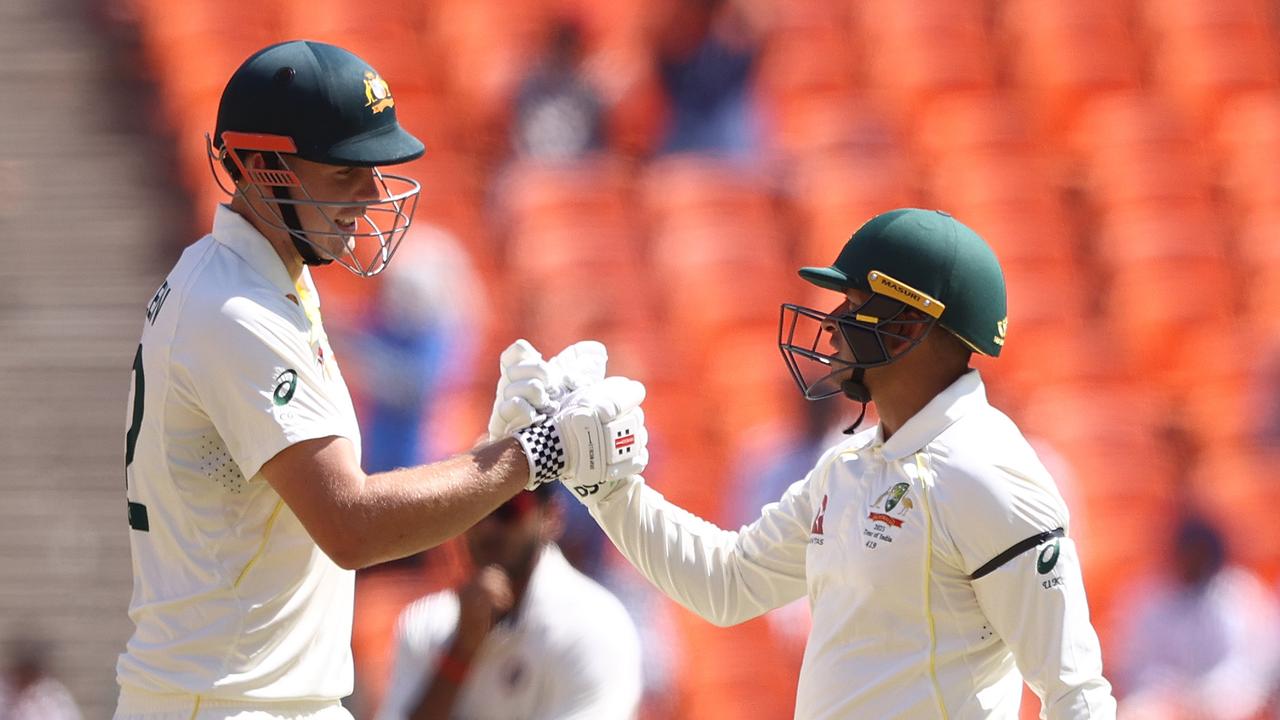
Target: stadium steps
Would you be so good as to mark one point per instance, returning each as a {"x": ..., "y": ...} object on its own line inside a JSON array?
[{"x": 89, "y": 225}]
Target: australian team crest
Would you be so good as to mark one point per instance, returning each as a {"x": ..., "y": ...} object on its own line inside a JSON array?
[
  {"x": 377, "y": 92},
  {"x": 891, "y": 500}
]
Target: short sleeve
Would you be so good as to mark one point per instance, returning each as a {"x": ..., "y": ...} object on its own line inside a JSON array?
[
  {"x": 419, "y": 642},
  {"x": 988, "y": 511},
  {"x": 254, "y": 374}
]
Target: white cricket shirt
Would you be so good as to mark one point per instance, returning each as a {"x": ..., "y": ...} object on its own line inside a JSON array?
[
  {"x": 570, "y": 651},
  {"x": 232, "y": 598},
  {"x": 920, "y": 609}
]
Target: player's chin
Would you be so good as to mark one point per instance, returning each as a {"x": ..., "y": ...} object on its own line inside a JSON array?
[{"x": 333, "y": 245}]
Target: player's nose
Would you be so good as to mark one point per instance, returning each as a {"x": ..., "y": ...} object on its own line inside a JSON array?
[{"x": 368, "y": 189}]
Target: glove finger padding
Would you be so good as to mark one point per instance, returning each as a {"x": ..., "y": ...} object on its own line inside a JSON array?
[
  {"x": 519, "y": 351},
  {"x": 577, "y": 366},
  {"x": 515, "y": 414},
  {"x": 519, "y": 362},
  {"x": 532, "y": 391}
]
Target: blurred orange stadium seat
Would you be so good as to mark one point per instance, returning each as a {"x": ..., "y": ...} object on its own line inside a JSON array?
[
  {"x": 808, "y": 61},
  {"x": 1165, "y": 16},
  {"x": 1143, "y": 181},
  {"x": 681, "y": 191},
  {"x": 1202, "y": 70},
  {"x": 726, "y": 682},
  {"x": 1131, "y": 121},
  {"x": 1014, "y": 201},
  {"x": 1261, "y": 307},
  {"x": 1150, "y": 305},
  {"x": 977, "y": 124},
  {"x": 920, "y": 50},
  {"x": 593, "y": 192},
  {"x": 1248, "y": 140},
  {"x": 1129, "y": 236},
  {"x": 1063, "y": 53},
  {"x": 834, "y": 194}
]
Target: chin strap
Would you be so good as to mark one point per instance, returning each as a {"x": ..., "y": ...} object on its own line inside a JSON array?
[
  {"x": 856, "y": 391},
  {"x": 289, "y": 214}
]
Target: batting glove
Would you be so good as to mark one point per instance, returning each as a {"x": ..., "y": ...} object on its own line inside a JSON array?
[
  {"x": 530, "y": 388},
  {"x": 597, "y": 438}
]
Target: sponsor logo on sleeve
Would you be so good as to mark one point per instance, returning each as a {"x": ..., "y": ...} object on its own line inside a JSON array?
[
  {"x": 157, "y": 302},
  {"x": 286, "y": 385},
  {"x": 817, "y": 529},
  {"x": 1046, "y": 561}
]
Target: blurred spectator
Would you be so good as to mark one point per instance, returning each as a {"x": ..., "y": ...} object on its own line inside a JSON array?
[
  {"x": 660, "y": 642},
  {"x": 707, "y": 55},
  {"x": 764, "y": 470},
  {"x": 525, "y": 636},
  {"x": 28, "y": 691},
  {"x": 1201, "y": 642},
  {"x": 418, "y": 338},
  {"x": 775, "y": 459},
  {"x": 559, "y": 114}
]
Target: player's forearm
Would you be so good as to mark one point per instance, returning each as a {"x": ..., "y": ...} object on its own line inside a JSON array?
[
  {"x": 689, "y": 559},
  {"x": 405, "y": 511}
]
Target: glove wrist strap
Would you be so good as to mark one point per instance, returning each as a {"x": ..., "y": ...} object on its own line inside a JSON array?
[{"x": 544, "y": 448}]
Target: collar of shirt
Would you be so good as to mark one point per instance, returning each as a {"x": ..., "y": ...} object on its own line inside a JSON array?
[
  {"x": 962, "y": 397},
  {"x": 242, "y": 238}
]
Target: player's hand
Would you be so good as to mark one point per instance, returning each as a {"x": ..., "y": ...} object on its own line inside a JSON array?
[
  {"x": 530, "y": 388},
  {"x": 482, "y": 601},
  {"x": 597, "y": 438}
]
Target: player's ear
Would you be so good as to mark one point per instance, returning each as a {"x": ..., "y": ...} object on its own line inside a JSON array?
[
  {"x": 255, "y": 160},
  {"x": 911, "y": 329}
]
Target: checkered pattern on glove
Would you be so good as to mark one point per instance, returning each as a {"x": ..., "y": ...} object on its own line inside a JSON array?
[{"x": 544, "y": 447}]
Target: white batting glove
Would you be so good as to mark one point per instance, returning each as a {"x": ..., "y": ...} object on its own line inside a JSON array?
[
  {"x": 597, "y": 438},
  {"x": 530, "y": 388},
  {"x": 522, "y": 389}
]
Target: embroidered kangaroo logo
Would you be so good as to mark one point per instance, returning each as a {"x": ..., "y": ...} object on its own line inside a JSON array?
[{"x": 817, "y": 520}]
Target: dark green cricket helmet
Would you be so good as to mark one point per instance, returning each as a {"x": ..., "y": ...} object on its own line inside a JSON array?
[
  {"x": 324, "y": 104},
  {"x": 932, "y": 262},
  {"x": 922, "y": 260}
]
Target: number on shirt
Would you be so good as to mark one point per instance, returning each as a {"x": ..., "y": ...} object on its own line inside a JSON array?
[{"x": 137, "y": 511}]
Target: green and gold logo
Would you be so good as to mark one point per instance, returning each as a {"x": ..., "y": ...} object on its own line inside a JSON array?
[
  {"x": 286, "y": 384},
  {"x": 377, "y": 93},
  {"x": 890, "y": 499},
  {"x": 1002, "y": 329}
]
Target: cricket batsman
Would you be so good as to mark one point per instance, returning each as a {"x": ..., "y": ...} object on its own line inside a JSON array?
[
  {"x": 247, "y": 506},
  {"x": 934, "y": 547}
]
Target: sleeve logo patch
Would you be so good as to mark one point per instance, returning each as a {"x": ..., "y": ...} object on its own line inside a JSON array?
[
  {"x": 1048, "y": 558},
  {"x": 286, "y": 384}
]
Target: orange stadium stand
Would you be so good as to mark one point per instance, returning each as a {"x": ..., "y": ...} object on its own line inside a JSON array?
[{"x": 1121, "y": 157}]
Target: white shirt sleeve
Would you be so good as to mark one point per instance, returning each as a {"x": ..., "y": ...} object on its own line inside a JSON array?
[
  {"x": 724, "y": 576},
  {"x": 417, "y": 652},
  {"x": 252, "y": 371},
  {"x": 1035, "y": 598},
  {"x": 1036, "y": 603},
  {"x": 598, "y": 677}
]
